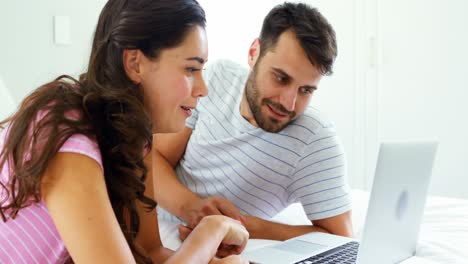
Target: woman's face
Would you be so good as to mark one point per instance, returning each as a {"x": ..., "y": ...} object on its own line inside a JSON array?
[{"x": 173, "y": 82}]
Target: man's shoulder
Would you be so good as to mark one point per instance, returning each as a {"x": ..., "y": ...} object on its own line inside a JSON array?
[
  {"x": 319, "y": 118},
  {"x": 312, "y": 124},
  {"x": 225, "y": 70},
  {"x": 225, "y": 80}
]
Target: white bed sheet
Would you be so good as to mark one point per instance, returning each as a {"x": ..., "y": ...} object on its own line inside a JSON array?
[{"x": 443, "y": 236}]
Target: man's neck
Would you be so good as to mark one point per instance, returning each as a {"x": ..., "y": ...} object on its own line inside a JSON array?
[{"x": 245, "y": 110}]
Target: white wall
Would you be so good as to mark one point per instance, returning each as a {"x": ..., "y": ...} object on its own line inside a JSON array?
[
  {"x": 28, "y": 55},
  {"x": 400, "y": 72},
  {"x": 423, "y": 82},
  {"x": 7, "y": 104}
]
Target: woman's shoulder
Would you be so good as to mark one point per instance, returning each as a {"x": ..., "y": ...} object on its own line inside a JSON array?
[{"x": 84, "y": 145}]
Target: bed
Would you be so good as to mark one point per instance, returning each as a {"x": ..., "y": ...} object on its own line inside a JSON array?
[{"x": 443, "y": 237}]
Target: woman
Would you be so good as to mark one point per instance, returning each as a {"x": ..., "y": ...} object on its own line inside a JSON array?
[{"x": 75, "y": 160}]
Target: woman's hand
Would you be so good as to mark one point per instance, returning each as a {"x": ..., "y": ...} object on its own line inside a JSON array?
[
  {"x": 237, "y": 233},
  {"x": 235, "y": 237},
  {"x": 233, "y": 259},
  {"x": 215, "y": 235}
]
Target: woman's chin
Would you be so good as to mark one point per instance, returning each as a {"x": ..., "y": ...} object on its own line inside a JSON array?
[{"x": 174, "y": 127}]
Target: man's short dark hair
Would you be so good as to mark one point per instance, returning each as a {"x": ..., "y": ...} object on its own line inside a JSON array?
[{"x": 315, "y": 35}]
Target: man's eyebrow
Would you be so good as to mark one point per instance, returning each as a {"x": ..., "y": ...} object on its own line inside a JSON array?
[
  {"x": 280, "y": 71},
  {"x": 200, "y": 60},
  {"x": 286, "y": 75}
]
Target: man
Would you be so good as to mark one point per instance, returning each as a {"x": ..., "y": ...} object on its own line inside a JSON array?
[{"x": 253, "y": 146}]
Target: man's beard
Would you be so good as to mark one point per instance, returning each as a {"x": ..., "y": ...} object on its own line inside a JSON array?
[{"x": 252, "y": 95}]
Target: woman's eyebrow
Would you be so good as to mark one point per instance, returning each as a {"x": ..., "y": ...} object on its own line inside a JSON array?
[{"x": 200, "y": 60}]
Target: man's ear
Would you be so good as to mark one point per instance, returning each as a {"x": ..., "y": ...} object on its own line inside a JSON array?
[
  {"x": 254, "y": 52},
  {"x": 132, "y": 59}
]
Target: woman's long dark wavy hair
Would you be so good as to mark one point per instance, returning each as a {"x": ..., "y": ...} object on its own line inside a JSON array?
[{"x": 110, "y": 106}]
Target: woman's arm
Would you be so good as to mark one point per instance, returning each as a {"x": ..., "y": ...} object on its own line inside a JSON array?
[{"x": 75, "y": 193}]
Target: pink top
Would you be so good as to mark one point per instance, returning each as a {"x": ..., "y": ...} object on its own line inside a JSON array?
[{"x": 32, "y": 237}]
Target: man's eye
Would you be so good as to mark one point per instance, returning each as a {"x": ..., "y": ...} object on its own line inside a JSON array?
[
  {"x": 281, "y": 79},
  {"x": 307, "y": 90}
]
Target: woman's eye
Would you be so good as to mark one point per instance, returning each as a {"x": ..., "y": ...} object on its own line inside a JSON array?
[{"x": 192, "y": 70}]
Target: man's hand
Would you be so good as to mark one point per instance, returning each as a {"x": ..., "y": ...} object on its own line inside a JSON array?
[{"x": 194, "y": 212}]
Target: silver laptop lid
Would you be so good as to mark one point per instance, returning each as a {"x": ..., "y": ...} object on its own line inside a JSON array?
[{"x": 397, "y": 202}]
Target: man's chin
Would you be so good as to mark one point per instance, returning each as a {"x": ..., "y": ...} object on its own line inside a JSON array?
[{"x": 274, "y": 126}]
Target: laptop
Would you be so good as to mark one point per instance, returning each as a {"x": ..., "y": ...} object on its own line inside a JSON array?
[{"x": 393, "y": 218}]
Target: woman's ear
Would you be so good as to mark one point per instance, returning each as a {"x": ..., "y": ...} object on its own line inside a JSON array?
[
  {"x": 254, "y": 51},
  {"x": 132, "y": 60}
]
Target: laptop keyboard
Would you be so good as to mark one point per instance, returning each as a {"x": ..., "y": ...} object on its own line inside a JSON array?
[{"x": 343, "y": 254}]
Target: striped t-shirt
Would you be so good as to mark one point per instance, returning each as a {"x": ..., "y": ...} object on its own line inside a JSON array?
[
  {"x": 32, "y": 236},
  {"x": 261, "y": 172}
]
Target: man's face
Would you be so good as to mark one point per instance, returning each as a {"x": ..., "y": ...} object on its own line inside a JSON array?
[{"x": 280, "y": 84}]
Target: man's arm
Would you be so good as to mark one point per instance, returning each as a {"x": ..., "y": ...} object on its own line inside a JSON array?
[
  {"x": 263, "y": 229},
  {"x": 168, "y": 150},
  {"x": 202, "y": 244},
  {"x": 322, "y": 159},
  {"x": 171, "y": 194},
  {"x": 148, "y": 236}
]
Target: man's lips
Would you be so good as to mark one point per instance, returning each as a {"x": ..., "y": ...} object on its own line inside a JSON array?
[{"x": 277, "y": 113}]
